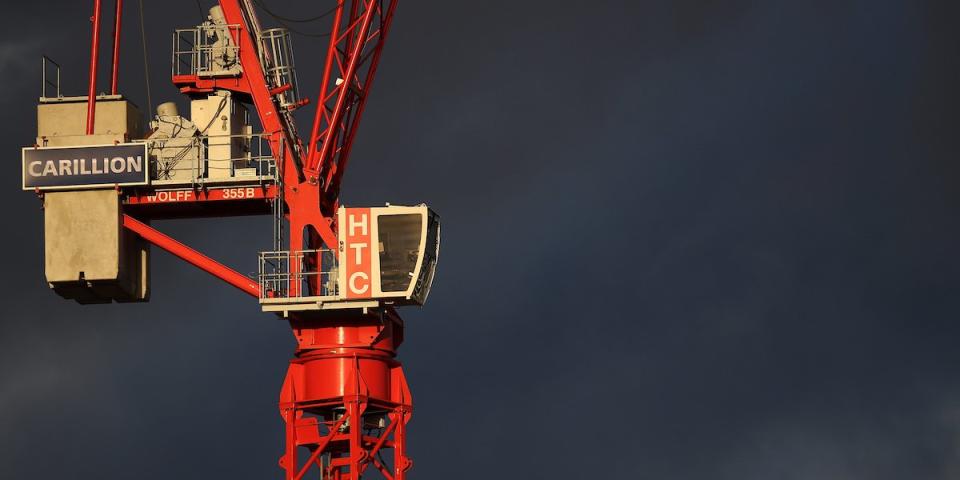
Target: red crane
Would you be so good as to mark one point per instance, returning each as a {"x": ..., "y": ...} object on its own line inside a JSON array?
[{"x": 345, "y": 400}]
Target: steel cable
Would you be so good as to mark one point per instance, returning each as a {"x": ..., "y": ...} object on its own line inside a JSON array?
[
  {"x": 283, "y": 21},
  {"x": 146, "y": 62},
  {"x": 266, "y": 9}
]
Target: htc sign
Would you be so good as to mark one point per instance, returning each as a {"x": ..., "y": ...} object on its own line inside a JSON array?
[
  {"x": 85, "y": 167},
  {"x": 356, "y": 253}
]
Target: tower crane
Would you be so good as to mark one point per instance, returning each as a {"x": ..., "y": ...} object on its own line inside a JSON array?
[{"x": 336, "y": 274}]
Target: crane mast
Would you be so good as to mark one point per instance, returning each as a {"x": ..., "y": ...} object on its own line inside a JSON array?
[{"x": 336, "y": 274}]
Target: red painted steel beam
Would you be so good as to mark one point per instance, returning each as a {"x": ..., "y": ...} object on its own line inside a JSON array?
[
  {"x": 332, "y": 185},
  {"x": 317, "y": 157},
  {"x": 321, "y": 447},
  {"x": 115, "y": 78},
  {"x": 189, "y": 195},
  {"x": 324, "y": 85},
  {"x": 94, "y": 58},
  {"x": 193, "y": 257},
  {"x": 302, "y": 198},
  {"x": 357, "y": 39}
]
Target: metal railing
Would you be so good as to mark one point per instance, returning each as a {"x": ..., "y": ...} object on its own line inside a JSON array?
[
  {"x": 206, "y": 51},
  {"x": 291, "y": 275},
  {"x": 279, "y": 65},
  {"x": 46, "y": 82},
  {"x": 194, "y": 160}
]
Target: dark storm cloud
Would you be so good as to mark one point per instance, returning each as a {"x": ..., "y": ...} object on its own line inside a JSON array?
[{"x": 683, "y": 240}]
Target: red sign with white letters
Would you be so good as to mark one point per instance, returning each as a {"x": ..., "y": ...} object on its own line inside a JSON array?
[
  {"x": 212, "y": 195},
  {"x": 356, "y": 231}
]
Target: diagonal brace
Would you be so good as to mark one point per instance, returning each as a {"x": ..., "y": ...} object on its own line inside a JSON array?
[
  {"x": 192, "y": 256},
  {"x": 321, "y": 446}
]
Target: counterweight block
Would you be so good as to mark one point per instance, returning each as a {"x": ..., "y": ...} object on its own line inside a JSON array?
[{"x": 89, "y": 256}]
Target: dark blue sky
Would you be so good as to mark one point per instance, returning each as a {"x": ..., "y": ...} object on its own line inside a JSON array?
[{"x": 682, "y": 240}]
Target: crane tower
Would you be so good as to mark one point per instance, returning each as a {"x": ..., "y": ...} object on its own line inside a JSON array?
[{"x": 336, "y": 274}]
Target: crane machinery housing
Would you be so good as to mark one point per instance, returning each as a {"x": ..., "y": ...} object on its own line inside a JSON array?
[{"x": 336, "y": 274}]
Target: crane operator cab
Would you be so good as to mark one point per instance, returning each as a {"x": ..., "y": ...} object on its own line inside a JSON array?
[{"x": 387, "y": 256}]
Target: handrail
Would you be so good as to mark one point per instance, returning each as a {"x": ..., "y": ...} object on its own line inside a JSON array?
[
  {"x": 180, "y": 154},
  {"x": 282, "y": 274},
  {"x": 45, "y": 82},
  {"x": 193, "y": 55}
]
